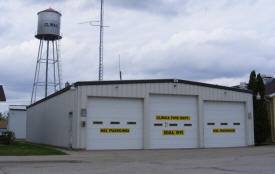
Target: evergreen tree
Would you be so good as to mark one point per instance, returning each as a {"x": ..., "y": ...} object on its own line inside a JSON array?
[
  {"x": 252, "y": 83},
  {"x": 261, "y": 124},
  {"x": 2, "y": 117},
  {"x": 260, "y": 86}
]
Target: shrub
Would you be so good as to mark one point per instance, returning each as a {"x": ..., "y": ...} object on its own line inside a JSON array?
[{"x": 7, "y": 137}]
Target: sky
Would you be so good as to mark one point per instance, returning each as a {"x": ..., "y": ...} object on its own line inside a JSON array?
[{"x": 213, "y": 41}]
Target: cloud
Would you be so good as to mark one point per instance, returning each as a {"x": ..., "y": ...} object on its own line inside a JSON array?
[
  {"x": 214, "y": 41},
  {"x": 163, "y": 7}
]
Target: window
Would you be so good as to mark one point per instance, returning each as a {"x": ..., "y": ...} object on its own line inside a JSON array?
[
  {"x": 187, "y": 124},
  {"x": 173, "y": 124},
  {"x": 237, "y": 124},
  {"x": 158, "y": 124},
  {"x": 224, "y": 124},
  {"x": 131, "y": 122},
  {"x": 114, "y": 122},
  {"x": 210, "y": 124},
  {"x": 83, "y": 112},
  {"x": 97, "y": 122}
]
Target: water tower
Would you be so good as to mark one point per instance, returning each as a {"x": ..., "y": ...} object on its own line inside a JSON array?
[{"x": 47, "y": 72}]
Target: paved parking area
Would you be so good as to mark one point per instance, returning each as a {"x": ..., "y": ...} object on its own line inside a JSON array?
[{"x": 252, "y": 160}]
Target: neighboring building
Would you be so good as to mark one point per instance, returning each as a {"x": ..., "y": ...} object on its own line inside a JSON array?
[
  {"x": 3, "y": 126},
  {"x": 242, "y": 85},
  {"x": 143, "y": 114},
  {"x": 2, "y": 94},
  {"x": 270, "y": 93},
  {"x": 17, "y": 120}
]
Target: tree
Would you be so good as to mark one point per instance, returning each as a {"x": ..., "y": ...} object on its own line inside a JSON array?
[
  {"x": 2, "y": 117},
  {"x": 261, "y": 124},
  {"x": 260, "y": 87},
  {"x": 252, "y": 83}
]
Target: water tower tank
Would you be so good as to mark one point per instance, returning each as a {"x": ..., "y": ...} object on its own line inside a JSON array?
[{"x": 48, "y": 25}]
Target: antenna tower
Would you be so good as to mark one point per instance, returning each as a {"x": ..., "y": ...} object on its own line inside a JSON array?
[
  {"x": 101, "y": 32},
  {"x": 101, "y": 26},
  {"x": 119, "y": 68}
]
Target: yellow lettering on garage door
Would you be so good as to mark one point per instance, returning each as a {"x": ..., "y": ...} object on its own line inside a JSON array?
[
  {"x": 172, "y": 132},
  {"x": 114, "y": 130},
  {"x": 224, "y": 130},
  {"x": 172, "y": 117}
]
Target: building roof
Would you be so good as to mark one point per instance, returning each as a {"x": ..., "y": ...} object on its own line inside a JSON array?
[
  {"x": 17, "y": 107},
  {"x": 118, "y": 82},
  {"x": 159, "y": 81},
  {"x": 2, "y": 94},
  {"x": 3, "y": 124},
  {"x": 50, "y": 10},
  {"x": 270, "y": 87}
]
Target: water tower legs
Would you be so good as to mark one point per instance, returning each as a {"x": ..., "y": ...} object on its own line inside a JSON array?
[{"x": 51, "y": 74}]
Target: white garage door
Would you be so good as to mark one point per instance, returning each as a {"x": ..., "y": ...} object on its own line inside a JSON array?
[
  {"x": 114, "y": 123},
  {"x": 224, "y": 124},
  {"x": 173, "y": 122}
]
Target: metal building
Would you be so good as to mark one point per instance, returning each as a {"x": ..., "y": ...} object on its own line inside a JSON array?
[
  {"x": 17, "y": 120},
  {"x": 143, "y": 114}
]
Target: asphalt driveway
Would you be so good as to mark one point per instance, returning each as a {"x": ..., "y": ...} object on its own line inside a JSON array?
[{"x": 252, "y": 160}]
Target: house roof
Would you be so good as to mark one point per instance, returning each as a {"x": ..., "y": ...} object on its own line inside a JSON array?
[
  {"x": 270, "y": 87},
  {"x": 3, "y": 124},
  {"x": 112, "y": 82},
  {"x": 2, "y": 94}
]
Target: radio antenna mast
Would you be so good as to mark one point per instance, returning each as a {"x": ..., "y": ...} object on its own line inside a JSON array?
[
  {"x": 101, "y": 32},
  {"x": 119, "y": 68},
  {"x": 101, "y": 26}
]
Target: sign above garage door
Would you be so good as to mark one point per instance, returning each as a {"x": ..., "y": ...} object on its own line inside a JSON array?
[
  {"x": 172, "y": 132},
  {"x": 114, "y": 130},
  {"x": 172, "y": 117}
]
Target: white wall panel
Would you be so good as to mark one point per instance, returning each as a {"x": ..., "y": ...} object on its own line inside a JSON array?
[
  {"x": 49, "y": 123},
  {"x": 17, "y": 123}
]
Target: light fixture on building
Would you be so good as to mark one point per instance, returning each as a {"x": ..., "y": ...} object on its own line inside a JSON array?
[{"x": 258, "y": 97}]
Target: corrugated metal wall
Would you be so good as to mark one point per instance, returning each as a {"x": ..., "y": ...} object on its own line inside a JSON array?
[
  {"x": 49, "y": 122},
  {"x": 144, "y": 91},
  {"x": 17, "y": 123}
]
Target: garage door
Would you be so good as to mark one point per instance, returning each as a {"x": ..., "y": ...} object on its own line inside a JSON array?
[
  {"x": 224, "y": 124},
  {"x": 173, "y": 122},
  {"x": 114, "y": 123}
]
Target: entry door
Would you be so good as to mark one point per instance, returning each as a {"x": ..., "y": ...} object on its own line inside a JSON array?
[
  {"x": 173, "y": 121},
  {"x": 224, "y": 124},
  {"x": 114, "y": 123}
]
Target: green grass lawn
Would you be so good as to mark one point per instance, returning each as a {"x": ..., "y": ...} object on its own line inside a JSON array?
[{"x": 20, "y": 148}]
